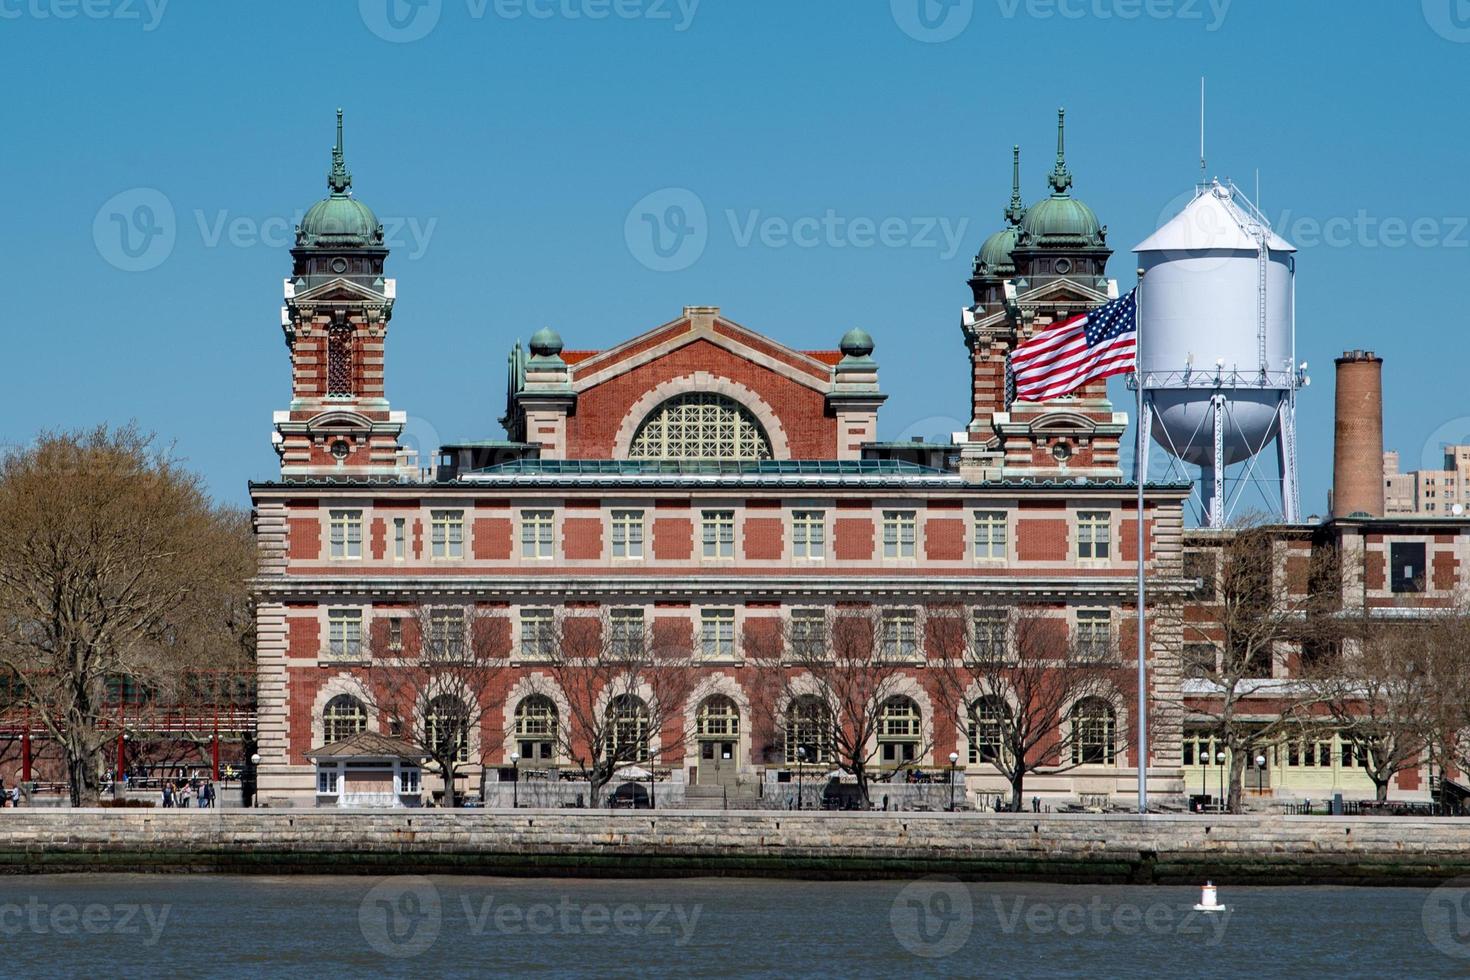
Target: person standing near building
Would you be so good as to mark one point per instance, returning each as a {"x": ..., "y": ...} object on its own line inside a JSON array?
[{"x": 168, "y": 795}]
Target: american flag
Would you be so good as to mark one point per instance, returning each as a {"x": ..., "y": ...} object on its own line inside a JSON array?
[{"x": 1064, "y": 357}]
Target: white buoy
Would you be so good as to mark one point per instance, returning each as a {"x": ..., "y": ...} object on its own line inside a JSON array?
[{"x": 1208, "y": 900}]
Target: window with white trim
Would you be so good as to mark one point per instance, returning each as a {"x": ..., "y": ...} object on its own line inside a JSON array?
[
  {"x": 447, "y": 725},
  {"x": 1094, "y": 634},
  {"x": 446, "y": 639},
  {"x": 537, "y": 534},
  {"x": 400, "y": 539},
  {"x": 989, "y": 720},
  {"x": 538, "y": 634},
  {"x": 898, "y": 731},
  {"x": 808, "y": 634},
  {"x": 900, "y": 634},
  {"x": 900, "y": 531},
  {"x": 446, "y": 534},
  {"x": 1094, "y": 534},
  {"x": 808, "y": 534},
  {"x": 990, "y": 535},
  {"x": 717, "y": 531},
  {"x": 343, "y": 717},
  {"x": 395, "y": 633},
  {"x": 328, "y": 781},
  {"x": 700, "y": 425},
  {"x": 627, "y": 638},
  {"x": 627, "y": 534},
  {"x": 345, "y": 533},
  {"x": 1094, "y": 732},
  {"x": 992, "y": 629},
  {"x": 536, "y": 729},
  {"x": 344, "y": 634},
  {"x": 717, "y": 632}
]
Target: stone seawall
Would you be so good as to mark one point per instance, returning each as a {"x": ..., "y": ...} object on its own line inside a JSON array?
[{"x": 1111, "y": 848}]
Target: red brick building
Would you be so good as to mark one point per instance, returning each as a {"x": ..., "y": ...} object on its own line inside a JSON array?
[{"x": 707, "y": 482}]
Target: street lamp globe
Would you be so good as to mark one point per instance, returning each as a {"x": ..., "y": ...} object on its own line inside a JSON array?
[
  {"x": 1261, "y": 761},
  {"x": 515, "y": 757},
  {"x": 1220, "y": 757},
  {"x": 255, "y": 759},
  {"x": 954, "y": 757}
]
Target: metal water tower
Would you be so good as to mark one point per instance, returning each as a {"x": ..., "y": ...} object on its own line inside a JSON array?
[{"x": 1217, "y": 345}]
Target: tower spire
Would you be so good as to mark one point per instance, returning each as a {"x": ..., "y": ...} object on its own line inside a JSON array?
[
  {"x": 1061, "y": 177},
  {"x": 1017, "y": 209},
  {"x": 340, "y": 178}
]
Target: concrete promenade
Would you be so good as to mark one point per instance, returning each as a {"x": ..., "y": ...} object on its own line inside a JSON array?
[{"x": 1074, "y": 847}]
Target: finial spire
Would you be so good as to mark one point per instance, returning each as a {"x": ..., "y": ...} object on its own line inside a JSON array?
[
  {"x": 1061, "y": 177},
  {"x": 1017, "y": 209},
  {"x": 340, "y": 178}
]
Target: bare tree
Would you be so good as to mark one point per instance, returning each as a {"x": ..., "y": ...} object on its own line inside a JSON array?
[
  {"x": 1263, "y": 598},
  {"x": 836, "y": 685},
  {"x": 1034, "y": 699},
  {"x": 621, "y": 692},
  {"x": 1446, "y": 637},
  {"x": 432, "y": 676},
  {"x": 113, "y": 564},
  {"x": 1377, "y": 689}
]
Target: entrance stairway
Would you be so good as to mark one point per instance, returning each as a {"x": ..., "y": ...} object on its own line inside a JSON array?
[{"x": 739, "y": 797}]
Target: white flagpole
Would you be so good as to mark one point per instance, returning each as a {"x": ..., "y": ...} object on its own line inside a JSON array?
[{"x": 1138, "y": 477}]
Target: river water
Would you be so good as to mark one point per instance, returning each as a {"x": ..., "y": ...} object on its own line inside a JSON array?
[{"x": 207, "y": 926}]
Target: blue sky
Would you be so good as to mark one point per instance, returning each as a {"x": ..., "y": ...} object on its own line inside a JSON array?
[{"x": 506, "y": 143}]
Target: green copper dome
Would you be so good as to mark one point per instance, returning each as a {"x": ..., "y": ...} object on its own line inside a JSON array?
[
  {"x": 339, "y": 220},
  {"x": 994, "y": 260},
  {"x": 1061, "y": 219}
]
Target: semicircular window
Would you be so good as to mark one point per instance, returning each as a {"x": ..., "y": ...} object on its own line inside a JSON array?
[{"x": 700, "y": 425}]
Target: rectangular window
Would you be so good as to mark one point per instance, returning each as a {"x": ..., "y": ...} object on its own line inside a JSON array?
[
  {"x": 446, "y": 534},
  {"x": 718, "y": 533},
  {"x": 344, "y": 634},
  {"x": 627, "y": 534},
  {"x": 446, "y": 636},
  {"x": 900, "y": 635},
  {"x": 1094, "y": 534},
  {"x": 900, "y": 529},
  {"x": 717, "y": 632},
  {"x": 536, "y": 534},
  {"x": 326, "y": 782},
  {"x": 395, "y": 633},
  {"x": 627, "y": 633},
  {"x": 346, "y": 533},
  {"x": 1407, "y": 561},
  {"x": 990, "y": 535},
  {"x": 400, "y": 539},
  {"x": 1199, "y": 660},
  {"x": 808, "y": 634},
  {"x": 991, "y": 628},
  {"x": 1201, "y": 565},
  {"x": 538, "y": 634},
  {"x": 808, "y": 534},
  {"x": 1094, "y": 635},
  {"x": 408, "y": 781}
]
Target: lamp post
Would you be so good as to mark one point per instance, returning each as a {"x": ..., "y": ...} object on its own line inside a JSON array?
[
  {"x": 254, "y": 780},
  {"x": 1220, "y": 760},
  {"x": 954, "y": 760},
  {"x": 800, "y": 763},
  {"x": 515, "y": 786},
  {"x": 1260, "y": 773}
]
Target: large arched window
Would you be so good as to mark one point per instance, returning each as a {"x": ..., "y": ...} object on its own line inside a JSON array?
[
  {"x": 808, "y": 731},
  {"x": 627, "y": 729},
  {"x": 898, "y": 731},
  {"x": 700, "y": 425},
  {"x": 536, "y": 729},
  {"x": 1094, "y": 731},
  {"x": 718, "y": 717},
  {"x": 989, "y": 721},
  {"x": 343, "y": 716}
]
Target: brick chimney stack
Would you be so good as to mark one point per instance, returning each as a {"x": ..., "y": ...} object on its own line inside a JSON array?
[{"x": 1357, "y": 463}]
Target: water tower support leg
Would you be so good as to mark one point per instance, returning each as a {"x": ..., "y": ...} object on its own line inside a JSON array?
[
  {"x": 1291, "y": 503},
  {"x": 1217, "y": 468},
  {"x": 1146, "y": 424}
]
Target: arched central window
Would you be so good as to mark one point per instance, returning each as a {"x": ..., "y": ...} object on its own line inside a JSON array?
[
  {"x": 536, "y": 728},
  {"x": 808, "y": 731},
  {"x": 700, "y": 425},
  {"x": 898, "y": 731},
  {"x": 627, "y": 729},
  {"x": 344, "y": 716},
  {"x": 1094, "y": 732},
  {"x": 718, "y": 717}
]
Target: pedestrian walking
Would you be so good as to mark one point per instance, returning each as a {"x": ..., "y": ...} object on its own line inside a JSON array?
[{"x": 168, "y": 795}]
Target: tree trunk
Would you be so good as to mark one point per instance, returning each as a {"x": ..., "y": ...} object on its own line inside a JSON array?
[
  {"x": 448, "y": 769},
  {"x": 1235, "y": 790},
  {"x": 82, "y": 779},
  {"x": 1380, "y": 789},
  {"x": 1017, "y": 790},
  {"x": 861, "y": 772}
]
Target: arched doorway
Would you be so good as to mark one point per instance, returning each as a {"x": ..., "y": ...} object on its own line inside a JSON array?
[{"x": 718, "y": 734}]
